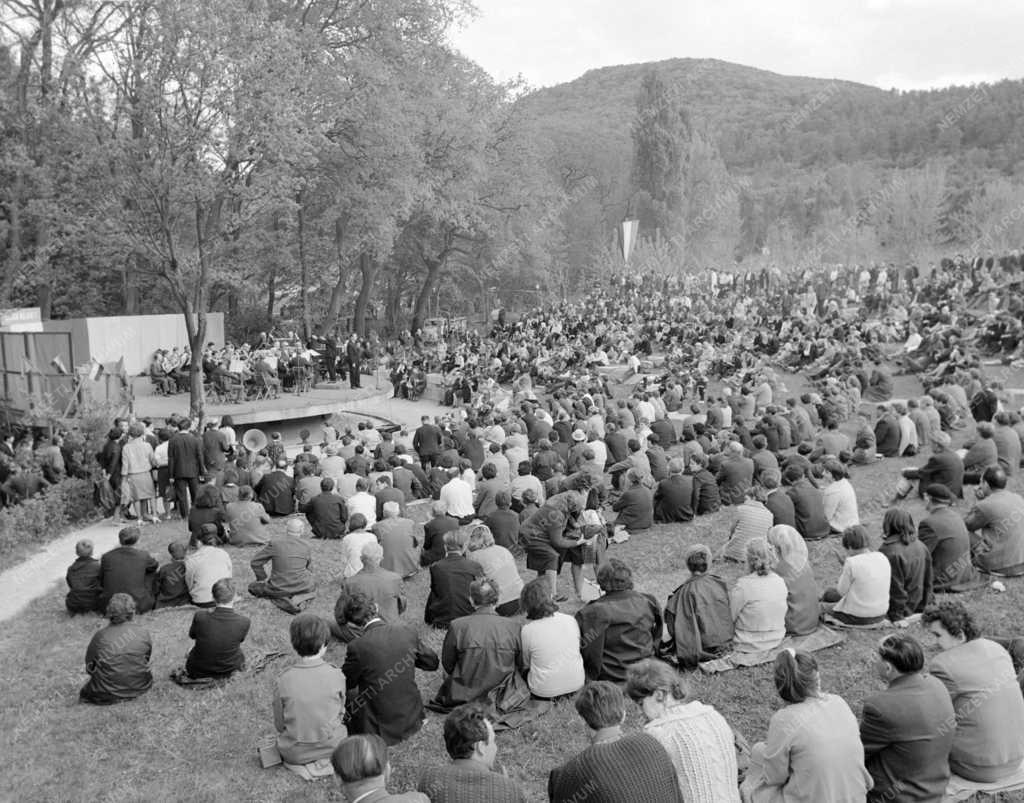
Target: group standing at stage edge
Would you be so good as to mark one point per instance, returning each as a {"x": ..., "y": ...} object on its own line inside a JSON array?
[{"x": 533, "y": 478}]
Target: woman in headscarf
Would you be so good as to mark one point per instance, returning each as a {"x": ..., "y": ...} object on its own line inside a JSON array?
[{"x": 792, "y": 565}]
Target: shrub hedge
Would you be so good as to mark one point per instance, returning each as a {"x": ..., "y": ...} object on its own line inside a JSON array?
[{"x": 43, "y": 517}]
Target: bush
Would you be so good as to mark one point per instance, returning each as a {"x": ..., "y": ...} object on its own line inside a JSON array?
[{"x": 44, "y": 517}]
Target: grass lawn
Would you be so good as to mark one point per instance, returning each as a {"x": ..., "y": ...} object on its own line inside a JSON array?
[{"x": 181, "y": 744}]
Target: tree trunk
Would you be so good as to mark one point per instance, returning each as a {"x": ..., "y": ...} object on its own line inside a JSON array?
[
  {"x": 307, "y": 326},
  {"x": 271, "y": 296},
  {"x": 338, "y": 293},
  {"x": 419, "y": 312},
  {"x": 368, "y": 269}
]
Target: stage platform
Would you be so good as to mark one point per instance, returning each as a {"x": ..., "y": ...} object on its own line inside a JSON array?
[{"x": 325, "y": 399}]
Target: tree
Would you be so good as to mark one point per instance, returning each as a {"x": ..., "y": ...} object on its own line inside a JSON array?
[
  {"x": 205, "y": 123},
  {"x": 661, "y": 134}
]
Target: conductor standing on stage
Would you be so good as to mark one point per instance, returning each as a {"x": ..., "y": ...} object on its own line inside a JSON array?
[{"x": 353, "y": 356}]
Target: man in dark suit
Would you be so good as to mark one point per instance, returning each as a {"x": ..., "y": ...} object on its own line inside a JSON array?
[
  {"x": 887, "y": 432},
  {"x": 128, "y": 570},
  {"x": 944, "y": 467},
  {"x": 777, "y": 501},
  {"x": 353, "y": 359},
  {"x": 906, "y": 728},
  {"x": 450, "y": 579},
  {"x": 808, "y": 508},
  {"x": 618, "y": 446},
  {"x": 433, "y": 534},
  {"x": 381, "y": 692},
  {"x": 735, "y": 475},
  {"x": 673, "y": 498},
  {"x": 326, "y": 512},
  {"x": 427, "y": 442},
  {"x": 218, "y": 634},
  {"x": 185, "y": 465},
  {"x": 276, "y": 491},
  {"x": 215, "y": 449},
  {"x": 944, "y": 533}
]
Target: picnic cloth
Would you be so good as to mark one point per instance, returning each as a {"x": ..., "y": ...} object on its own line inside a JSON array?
[
  {"x": 962, "y": 789},
  {"x": 818, "y": 640}
]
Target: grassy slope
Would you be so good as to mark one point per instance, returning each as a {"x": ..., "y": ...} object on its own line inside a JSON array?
[{"x": 178, "y": 744}]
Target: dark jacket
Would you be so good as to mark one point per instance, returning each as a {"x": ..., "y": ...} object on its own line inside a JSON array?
[
  {"x": 699, "y": 620},
  {"x": 887, "y": 436},
  {"x": 735, "y": 475},
  {"x": 945, "y": 535},
  {"x": 129, "y": 570},
  {"x": 218, "y": 649},
  {"x": 705, "y": 493},
  {"x": 433, "y": 538},
  {"x": 83, "y": 579},
  {"x": 635, "y": 508},
  {"x": 450, "y": 578},
  {"x": 617, "y": 630},
  {"x": 906, "y": 736},
  {"x": 479, "y": 652},
  {"x": 674, "y": 499},
  {"x": 327, "y": 515},
  {"x": 910, "y": 584},
  {"x": 427, "y": 440},
  {"x": 946, "y": 468},
  {"x": 275, "y": 492},
  {"x": 215, "y": 449},
  {"x": 185, "y": 456},
  {"x": 809, "y": 510},
  {"x": 781, "y": 506},
  {"x": 117, "y": 661},
  {"x": 386, "y": 656}
]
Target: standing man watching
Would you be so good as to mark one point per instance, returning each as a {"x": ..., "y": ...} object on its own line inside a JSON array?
[
  {"x": 185, "y": 465},
  {"x": 427, "y": 442},
  {"x": 353, "y": 357}
]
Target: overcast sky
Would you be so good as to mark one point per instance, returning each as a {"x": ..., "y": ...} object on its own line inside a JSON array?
[{"x": 908, "y": 44}]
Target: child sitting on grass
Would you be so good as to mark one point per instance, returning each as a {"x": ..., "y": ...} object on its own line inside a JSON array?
[
  {"x": 83, "y": 580},
  {"x": 171, "y": 588}
]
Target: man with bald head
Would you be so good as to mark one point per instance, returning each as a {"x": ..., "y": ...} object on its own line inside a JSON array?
[{"x": 291, "y": 584}]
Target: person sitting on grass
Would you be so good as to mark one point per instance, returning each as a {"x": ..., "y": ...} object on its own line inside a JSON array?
[
  {"x": 758, "y": 602},
  {"x": 171, "y": 585},
  {"x": 636, "y": 505},
  {"x": 361, "y": 764},
  {"x": 83, "y": 579},
  {"x": 205, "y": 565},
  {"x": 550, "y": 643},
  {"x": 309, "y": 702},
  {"x": 988, "y": 744},
  {"x": 117, "y": 659},
  {"x": 615, "y": 767},
  {"x": 218, "y": 635},
  {"x": 470, "y": 741},
  {"x": 480, "y": 650},
  {"x": 910, "y": 562},
  {"x": 291, "y": 583},
  {"x": 802, "y": 593},
  {"x": 619, "y": 628},
  {"x": 905, "y": 728},
  {"x": 696, "y": 737},
  {"x": 697, "y": 615},
  {"x": 813, "y": 750},
  {"x": 128, "y": 569},
  {"x": 861, "y": 597}
]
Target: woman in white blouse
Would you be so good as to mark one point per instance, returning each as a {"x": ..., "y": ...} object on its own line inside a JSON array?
[
  {"x": 861, "y": 597},
  {"x": 550, "y": 644},
  {"x": 839, "y": 499},
  {"x": 759, "y": 602}
]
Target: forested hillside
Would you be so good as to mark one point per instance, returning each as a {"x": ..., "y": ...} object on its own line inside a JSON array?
[{"x": 803, "y": 155}]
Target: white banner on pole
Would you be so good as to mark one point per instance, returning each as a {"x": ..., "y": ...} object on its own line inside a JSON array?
[{"x": 629, "y": 231}]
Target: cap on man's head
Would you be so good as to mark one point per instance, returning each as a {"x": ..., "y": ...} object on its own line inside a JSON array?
[
  {"x": 579, "y": 435},
  {"x": 939, "y": 493}
]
